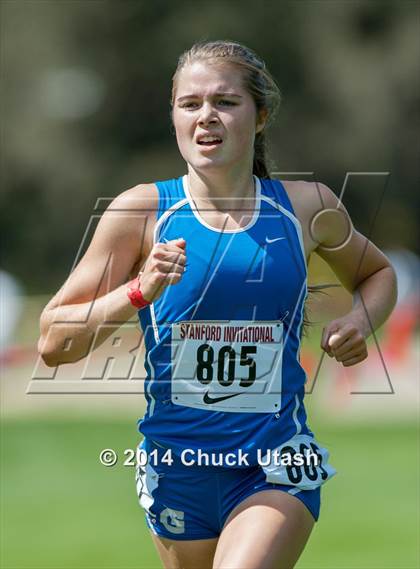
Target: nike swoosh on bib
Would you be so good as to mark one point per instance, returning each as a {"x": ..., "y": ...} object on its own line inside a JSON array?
[
  {"x": 267, "y": 240},
  {"x": 209, "y": 400}
]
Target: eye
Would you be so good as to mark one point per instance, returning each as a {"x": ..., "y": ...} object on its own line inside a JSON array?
[
  {"x": 226, "y": 103},
  {"x": 189, "y": 105}
]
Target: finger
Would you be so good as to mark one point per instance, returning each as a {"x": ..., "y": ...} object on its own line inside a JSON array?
[
  {"x": 355, "y": 360},
  {"x": 171, "y": 256},
  {"x": 168, "y": 267},
  {"x": 338, "y": 338},
  {"x": 173, "y": 278},
  {"x": 324, "y": 340},
  {"x": 333, "y": 341},
  {"x": 165, "y": 248},
  {"x": 350, "y": 354},
  {"x": 353, "y": 344},
  {"x": 339, "y": 351},
  {"x": 176, "y": 244}
]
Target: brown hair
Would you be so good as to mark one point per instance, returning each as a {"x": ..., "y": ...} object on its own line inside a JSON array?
[{"x": 257, "y": 80}]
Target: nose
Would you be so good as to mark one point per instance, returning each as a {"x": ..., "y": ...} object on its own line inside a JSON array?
[{"x": 207, "y": 115}]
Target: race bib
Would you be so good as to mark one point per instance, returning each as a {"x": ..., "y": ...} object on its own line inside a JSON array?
[
  {"x": 299, "y": 462},
  {"x": 233, "y": 366}
]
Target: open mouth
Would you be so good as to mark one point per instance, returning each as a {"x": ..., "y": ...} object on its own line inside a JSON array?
[{"x": 209, "y": 141}]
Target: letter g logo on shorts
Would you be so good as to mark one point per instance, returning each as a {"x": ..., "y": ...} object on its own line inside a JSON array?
[{"x": 173, "y": 520}]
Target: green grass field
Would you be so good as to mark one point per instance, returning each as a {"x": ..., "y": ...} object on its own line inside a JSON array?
[{"x": 62, "y": 509}]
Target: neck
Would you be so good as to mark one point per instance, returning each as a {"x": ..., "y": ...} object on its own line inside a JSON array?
[{"x": 222, "y": 190}]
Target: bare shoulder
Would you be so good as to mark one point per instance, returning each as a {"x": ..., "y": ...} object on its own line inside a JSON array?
[
  {"x": 308, "y": 199},
  {"x": 133, "y": 211},
  {"x": 142, "y": 197},
  {"x": 132, "y": 218},
  {"x": 309, "y": 196}
]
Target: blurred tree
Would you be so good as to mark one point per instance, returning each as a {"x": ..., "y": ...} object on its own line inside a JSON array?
[{"x": 86, "y": 108}]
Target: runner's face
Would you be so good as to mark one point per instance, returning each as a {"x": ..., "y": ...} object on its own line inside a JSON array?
[{"x": 210, "y": 100}]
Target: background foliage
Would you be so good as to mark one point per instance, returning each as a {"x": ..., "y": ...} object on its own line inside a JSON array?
[{"x": 86, "y": 108}]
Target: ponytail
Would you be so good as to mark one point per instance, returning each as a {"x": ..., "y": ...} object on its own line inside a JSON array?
[{"x": 259, "y": 166}]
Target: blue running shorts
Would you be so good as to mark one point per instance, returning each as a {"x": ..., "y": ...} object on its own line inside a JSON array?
[{"x": 185, "y": 502}]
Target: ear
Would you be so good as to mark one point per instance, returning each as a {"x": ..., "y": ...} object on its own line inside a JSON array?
[{"x": 261, "y": 120}]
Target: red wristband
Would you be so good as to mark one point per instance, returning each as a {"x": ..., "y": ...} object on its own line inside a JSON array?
[{"x": 135, "y": 295}]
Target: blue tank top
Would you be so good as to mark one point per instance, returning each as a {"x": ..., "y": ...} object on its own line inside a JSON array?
[{"x": 222, "y": 346}]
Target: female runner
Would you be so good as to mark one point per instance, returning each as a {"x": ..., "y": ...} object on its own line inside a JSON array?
[{"x": 224, "y": 384}]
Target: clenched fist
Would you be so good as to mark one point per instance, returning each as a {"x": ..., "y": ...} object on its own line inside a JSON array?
[
  {"x": 164, "y": 266},
  {"x": 344, "y": 340}
]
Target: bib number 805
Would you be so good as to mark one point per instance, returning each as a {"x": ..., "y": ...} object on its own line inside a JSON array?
[{"x": 206, "y": 358}]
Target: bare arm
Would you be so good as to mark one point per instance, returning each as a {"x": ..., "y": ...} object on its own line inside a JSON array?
[
  {"x": 363, "y": 270},
  {"x": 95, "y": 292}
]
